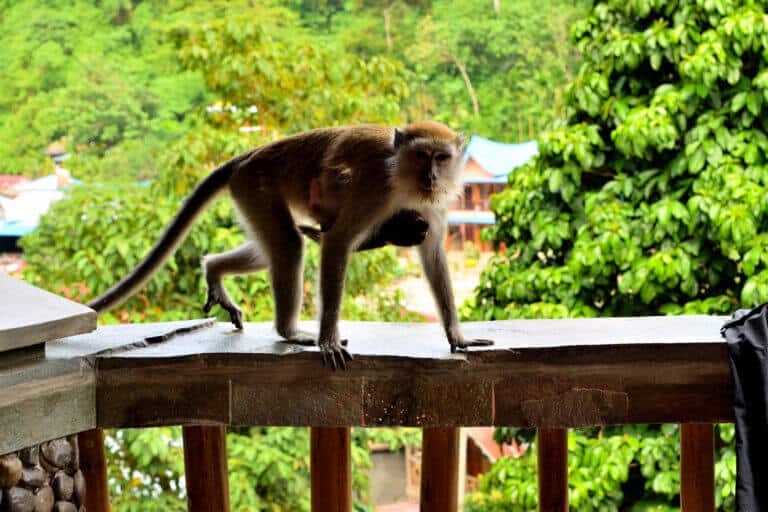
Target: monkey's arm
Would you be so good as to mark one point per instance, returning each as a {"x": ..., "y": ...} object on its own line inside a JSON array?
[
  {"x": 334, "y": 255},
  {"x": 405, "y": 228},
  {"x": 435, "y": 265}
]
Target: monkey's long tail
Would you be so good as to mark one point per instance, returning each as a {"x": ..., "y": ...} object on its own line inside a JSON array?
[{"x": 174, "y": 234}]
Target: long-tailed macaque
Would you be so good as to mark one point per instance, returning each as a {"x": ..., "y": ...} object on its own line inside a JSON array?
[{"x": 367, "y": 175}]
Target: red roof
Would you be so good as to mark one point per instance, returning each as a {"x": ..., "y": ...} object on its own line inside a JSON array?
[{"x": 7, "y": 181}]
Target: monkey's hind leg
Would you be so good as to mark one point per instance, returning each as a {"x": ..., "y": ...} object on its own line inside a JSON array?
[
  {"x": 244, "y": 260},
  {"x": 269, "y": 218}
]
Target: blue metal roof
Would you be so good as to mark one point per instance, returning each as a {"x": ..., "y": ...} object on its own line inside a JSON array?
[
  {"x": 15, "y": 229},
  {"x": 499, "y": 158}
]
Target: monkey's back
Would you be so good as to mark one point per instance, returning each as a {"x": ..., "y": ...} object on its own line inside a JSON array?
[{"x": 286, "y": 166}]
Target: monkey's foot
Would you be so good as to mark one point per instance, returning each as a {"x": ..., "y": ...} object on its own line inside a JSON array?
[
  {"x": 298, "y": 337},
  {"x": 215, "y": 297},
  {"x": 335, "y": 355},
  {"x": 306, "y": 339},
  {"x": 463, "y": 345}
]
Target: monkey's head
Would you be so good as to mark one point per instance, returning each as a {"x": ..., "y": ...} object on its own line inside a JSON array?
[{"x": 428, "y": 158}]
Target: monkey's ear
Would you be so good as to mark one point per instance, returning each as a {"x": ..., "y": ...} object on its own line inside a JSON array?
[
  {"x": 399, "y": 139},
  {"x": 461, "y": 142}
]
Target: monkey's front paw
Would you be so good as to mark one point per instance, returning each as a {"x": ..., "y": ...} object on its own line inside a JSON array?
[
  {"x": 463, "y": 345},
  {"x": 335, "y": 355},
  {"x": 235, "y": 314}
]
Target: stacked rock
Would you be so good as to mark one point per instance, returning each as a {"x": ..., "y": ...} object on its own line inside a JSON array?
[{"x": 44, "y": 478}]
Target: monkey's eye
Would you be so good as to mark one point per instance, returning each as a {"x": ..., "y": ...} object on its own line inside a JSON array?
[
  {"x": 422, "y": 155},
  {"x": 441, "y": 157}
]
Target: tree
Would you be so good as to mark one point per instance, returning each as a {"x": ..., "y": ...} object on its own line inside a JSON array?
[
  {"x": 97, "y": 75},
  {"x": 650, "y": 196},
  {"x": 495, "y": 73},
  {"x": 296, "y": 83}
]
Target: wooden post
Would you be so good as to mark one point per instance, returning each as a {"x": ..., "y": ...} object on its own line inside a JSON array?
[
  {"x": 697, "y": 467},
  {"x": 440, "y": 470},
  {"x": 205, "y": 466},
  {"x": 94, "y": 467},
  {"x": 331, "y": 469},
  {"x": 552, "y": 448}
]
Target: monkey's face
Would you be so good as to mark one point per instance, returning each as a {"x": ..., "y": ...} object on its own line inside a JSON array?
[{"x": 430, "y": 168}]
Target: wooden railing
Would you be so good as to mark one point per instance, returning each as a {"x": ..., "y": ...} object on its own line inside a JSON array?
[{"x": 550, "y": 374}]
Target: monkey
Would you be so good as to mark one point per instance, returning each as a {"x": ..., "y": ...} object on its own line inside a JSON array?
[
  {"x": 376, "y": 172},
  {"x": 406, "y": 228}
]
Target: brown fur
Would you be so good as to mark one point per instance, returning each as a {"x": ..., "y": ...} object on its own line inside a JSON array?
[{"x": 366, "y": 174}]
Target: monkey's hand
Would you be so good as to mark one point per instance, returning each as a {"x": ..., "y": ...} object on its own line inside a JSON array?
[
  {"x": 405, "y": 228},
  {"x": 334, "y": 354},
  {"x": 311, "y": 233},
  {"x": 217, "y": 295},
  {"x": 462, "y": 345}
]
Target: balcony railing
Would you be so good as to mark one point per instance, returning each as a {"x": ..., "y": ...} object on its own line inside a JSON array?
[{"x": 549, "y": 374}]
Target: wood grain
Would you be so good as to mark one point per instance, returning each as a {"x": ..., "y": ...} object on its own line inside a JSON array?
[
  {"x": 542, "y": 373},
  {"x": 552, "y": 453},
  {"x": 219, "y": 377},
  {"x": 205, "y": 467},
  {"x": 94, "y": 467},
  {"x": 331, "y": 469},
  {"x": 440, "y": 470},
  {"x": 697, "y": 468}
]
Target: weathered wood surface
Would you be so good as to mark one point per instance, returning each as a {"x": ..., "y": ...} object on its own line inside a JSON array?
[
  {"x": 548, "y": 373},
  {"x": 29, "y": 315}
]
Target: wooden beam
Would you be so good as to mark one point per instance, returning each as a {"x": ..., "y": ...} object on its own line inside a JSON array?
[
  {"x": 542, "y": 373},
  {"x": 440, "y": 470},
  {"x": 205, "y": 466},
  {"x": 331, "y": 469},
  {"x": 94, "y": 468},
  {"x": 697, "y": 467},
  {"x": 552, "y": 450}
]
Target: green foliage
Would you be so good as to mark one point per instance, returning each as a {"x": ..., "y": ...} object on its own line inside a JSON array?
[
  {"x": 617, "y": 468},
  {"x": 649, "y": 197},
  {"x": 500, "y": 74},
  {"x": 297, "y": 83},
  {"x": 268, "y": 469},
  {"x": 96, "y": 75}
]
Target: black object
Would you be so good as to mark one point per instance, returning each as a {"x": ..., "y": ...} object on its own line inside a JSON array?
[
  {"x": 405, "y": 228},
  {"x": 747, "y": 336}
]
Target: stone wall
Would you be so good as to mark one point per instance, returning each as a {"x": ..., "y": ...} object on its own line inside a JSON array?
[{"x": 43, "y": 478}]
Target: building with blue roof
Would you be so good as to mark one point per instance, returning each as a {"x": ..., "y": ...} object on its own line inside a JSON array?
[{"x": 487, "y": 164}]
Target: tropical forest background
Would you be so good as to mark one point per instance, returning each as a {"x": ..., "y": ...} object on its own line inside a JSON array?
[{"x": 647, "y": 197}]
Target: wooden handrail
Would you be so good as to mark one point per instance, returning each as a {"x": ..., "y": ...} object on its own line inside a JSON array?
[{"x": 551, "y": 374}]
